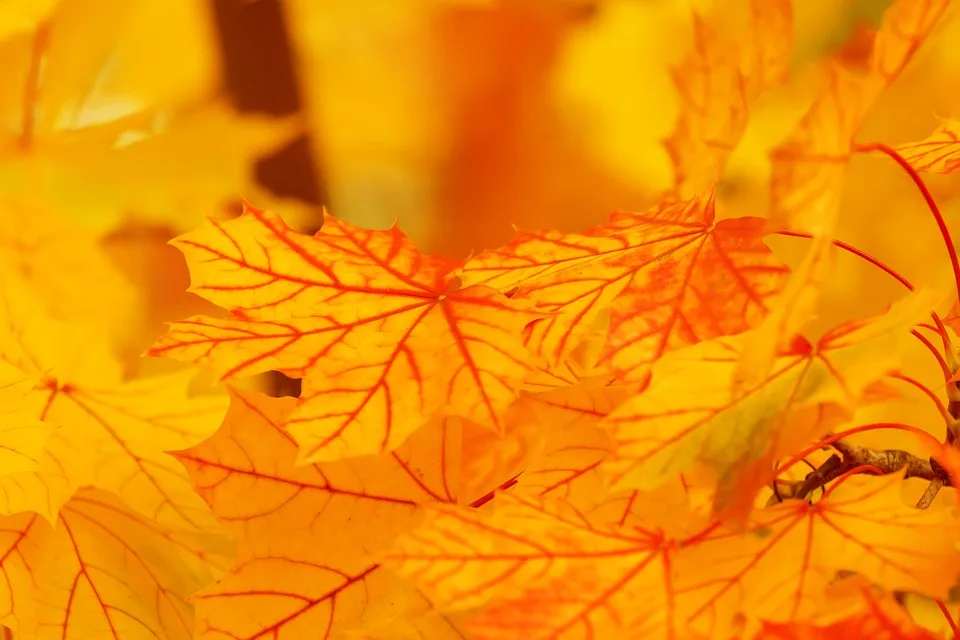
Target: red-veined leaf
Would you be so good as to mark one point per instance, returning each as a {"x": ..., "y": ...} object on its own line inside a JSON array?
[
  {"x": 384, "y": 335},
  {"x": 673, "y": 274},
  {"x": 690, "y": 415}
]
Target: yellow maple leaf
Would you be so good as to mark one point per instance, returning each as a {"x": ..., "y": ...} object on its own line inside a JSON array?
[
  {"x": 532, "y": 569},
  {"x": 64, "y": 267},
  {"x": 299, "y": 573},
  {"x": 108, "y": 432},
  {"x": 690, "y": 415},
  {"x": 671, "y": 276},
  {"x": 809, "y": 167},
  {"x": 780, "y": 569},
  {"x": 717, "y": 83},
  {"x": 104, "y": 572},
  {"x": 22, "y": 435},
  {"x": 385, "y": 337}
]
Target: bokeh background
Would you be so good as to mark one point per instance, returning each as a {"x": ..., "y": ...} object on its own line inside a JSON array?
[{"x": 127, "y": 122}]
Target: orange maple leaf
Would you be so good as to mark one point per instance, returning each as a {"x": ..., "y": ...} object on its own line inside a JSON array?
[
  {"x": 307, "y": 534},
  {"x": 672, "y": 276},
  {"x": 779, "y": 570},
  {"x": 107, "y": 432},
  {"x": 385, "y": 336},
  {"x": 532, "y": 569},
  {"x": 717, "y": 83},
  {"x": 566, "y": 410},
  {"x": 105, "y": 572},
  {"x": 939, "y": 153}
]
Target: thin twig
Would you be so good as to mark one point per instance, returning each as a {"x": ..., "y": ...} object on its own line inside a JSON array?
[
  {"x": 886, "y": 460},
  {"x": 930, "y": 494}
]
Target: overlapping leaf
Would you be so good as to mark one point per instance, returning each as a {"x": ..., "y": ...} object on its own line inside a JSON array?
[
  {"x": 105, "y": 573},
  {"x": 307, "y": 533},
  {"x": 532, "y": 569},
  {"x": 385, "y": 336},
  {"x": 567, "y": 410},
  {"x": 247, "y": 473},
  {"x": 779, "y": 571},
  {"x": 691, "y": 416},
  {"x": 490, "y": 460},
  {"x": 107, "y": 432},
  {"x": 19, "y": 538},
  {"x": 673, "y": 276}
]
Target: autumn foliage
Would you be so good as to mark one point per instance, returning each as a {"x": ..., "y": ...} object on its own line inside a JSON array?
[{"x": 628, "y": 431}]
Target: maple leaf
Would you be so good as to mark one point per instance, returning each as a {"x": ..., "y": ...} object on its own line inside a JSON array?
[
  {"x": 313, "y": 572},
  {"x": 672, "y": 276},
  {"x": 794, "y": 307},
  {"x": 691, "y": 416},
  {"x": 779, "y": 571},
  {"x": 489, "y": 460},
  {"x": 567, "y": 408},
  {"x": 717, "y": 83},
  {"x": 22, "y": 435},
  {"x": 384, "y": 336},
  {"x": 18, "y": 539},
  {"x": 108, "y": 433},
  {"x": 551, "y": 443},
  {"x": 939, "y": 153},
  {"x": 104, "y": 572},
  {"x": 809, "y": 167},
  {"x": 541, "y": 570}
]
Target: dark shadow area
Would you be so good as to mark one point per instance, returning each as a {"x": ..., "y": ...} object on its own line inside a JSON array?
[{"x": 260, "y": 77}]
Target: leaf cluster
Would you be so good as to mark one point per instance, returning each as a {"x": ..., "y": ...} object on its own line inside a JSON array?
[{"x": 596, "y": 434}]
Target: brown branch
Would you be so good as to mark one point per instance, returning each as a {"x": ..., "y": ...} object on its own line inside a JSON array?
[
  {"x": 886, "y": 460},
  {"x": 930, "y": 494}
]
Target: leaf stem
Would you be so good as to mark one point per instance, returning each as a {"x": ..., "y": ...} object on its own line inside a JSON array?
[
  {"x": 927, "y": 196},
  {"x": 947, "y": 373},
  {"x": 950, "y": 621},
  {"x": 899, "y": 278},
  {"x": 857, "y": 252},
  {"x": 941, "y": 408}
]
